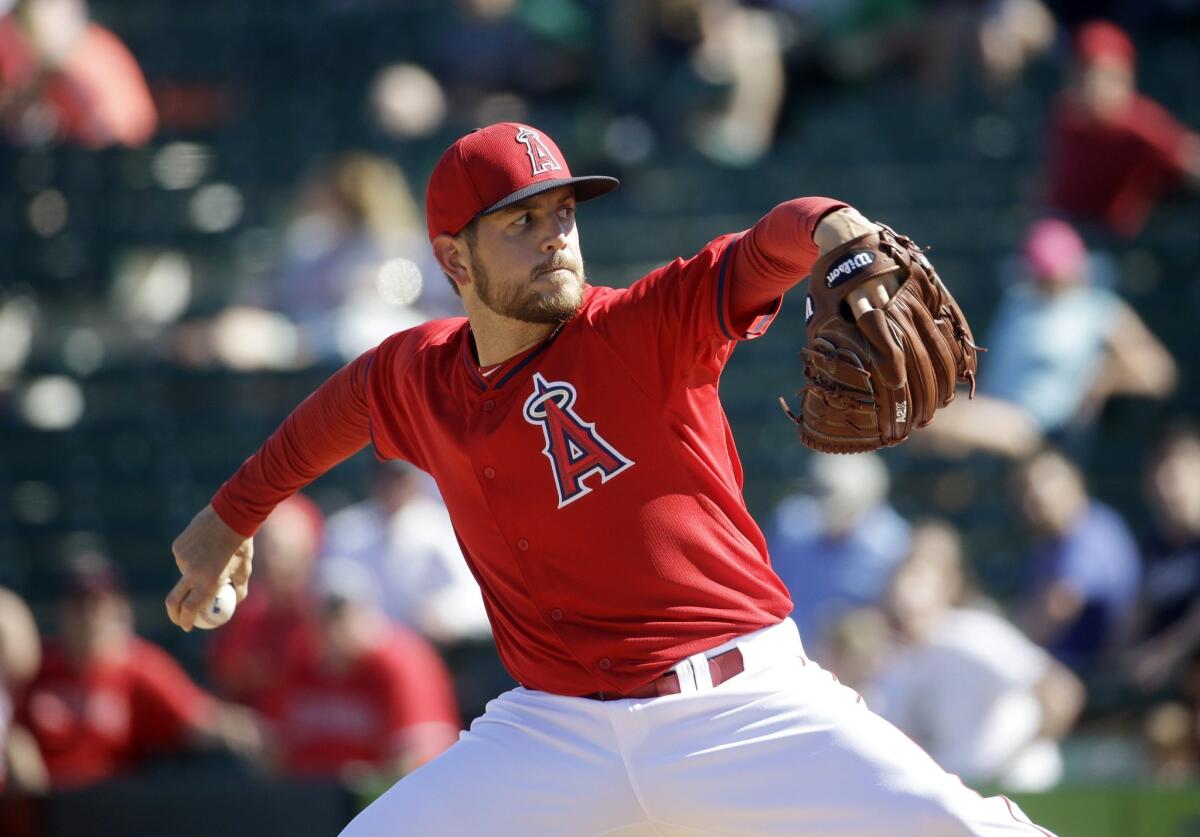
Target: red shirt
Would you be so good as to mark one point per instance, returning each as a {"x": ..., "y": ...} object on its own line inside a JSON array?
[
  {"x": 1114, "y": 172},
  {"x": 98, "y": 95},
  {"x": 326, "y": 720},
  {"x": 592, "y": 480},
  {"x": 244, "y": 657},
  {"x": 95, "y": 723}
]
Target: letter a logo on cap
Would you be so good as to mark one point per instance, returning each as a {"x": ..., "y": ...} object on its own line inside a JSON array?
[{"x": 540, "y": 157}]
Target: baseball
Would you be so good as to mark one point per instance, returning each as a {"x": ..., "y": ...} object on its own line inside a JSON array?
[{"x": 219, "y": 610}]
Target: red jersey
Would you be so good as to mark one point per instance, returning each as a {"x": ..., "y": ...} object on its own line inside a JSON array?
[
  {"x": 98, "y": 94},
  {"x": 1114, "y": 172},
  {"x": 326, "y": 720},
  {"x": 592, "y": 480},
  {"x": 95, "y": 723},
  {"x": 244, "y": 658}
]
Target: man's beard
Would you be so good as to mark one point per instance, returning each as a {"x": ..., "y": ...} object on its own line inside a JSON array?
[{"x": 521, "y": 302}]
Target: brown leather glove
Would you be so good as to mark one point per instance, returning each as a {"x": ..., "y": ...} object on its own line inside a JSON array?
[{"x": 872, "y": 379}]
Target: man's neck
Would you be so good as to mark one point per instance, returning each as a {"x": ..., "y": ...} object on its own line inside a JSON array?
[{"x": 497, "y": 337}]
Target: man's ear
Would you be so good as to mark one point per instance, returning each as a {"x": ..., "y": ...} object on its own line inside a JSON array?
[{"x": 451, "y": 255}]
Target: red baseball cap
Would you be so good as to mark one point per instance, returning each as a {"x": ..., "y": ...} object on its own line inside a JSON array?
[
  {"x": 493, "y": 167},
  {"x": 1097, "y": 40}
]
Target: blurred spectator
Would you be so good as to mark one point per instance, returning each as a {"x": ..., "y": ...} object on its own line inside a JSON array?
[
  {"x": 403, "y": 539},
  {"x": 498, "y": 53},
  {"x": 741, "y": 50},
  {"x": 964, "y": 683},
  {"x": 1113, "y": 151},
  {"x": 21, "y": 766},
  {"x": 856, "y": 645},
  {"x": 719, "y": 71},
  {"x": 64, "y": 78},
  {"x": 1169, "y": 629},
  {"x": 940, "y": 43},
  {"x": 1084, "y": 566},
  {"x": 105, "y": 701},
  {"x": 352, "y": 214},
  {"x": 1172, "y": 735},
  {"x": 836, "y": 547},
  {"x": 360, "y": 695},
  {"x": 1011, "y": 34},
  {"x": 1059, "y": 347},
  {"x": 244, "y": 658},
  {"x": 355, "y": 268}
]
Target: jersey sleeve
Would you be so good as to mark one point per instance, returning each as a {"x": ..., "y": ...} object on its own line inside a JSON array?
[
  {"x": 682, "y": 320},
  {"x": 415, "y": 689},
  {"x": 167, "y": 704},
  {"x": 775, "y": 254},
  {"x": 390, "y": 411},
  {"x": 329, "y": 426},
  {"x": 1163, "y": 136}
]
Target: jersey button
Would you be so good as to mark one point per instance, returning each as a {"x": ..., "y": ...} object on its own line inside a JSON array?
[
  {"x": 523, "y": 545},
  {"x": 604, "y": 663},
  {"x": 556, "y": 615},
  {"x": 489, "y": 405},
  {"x": 489, "y": 472}
]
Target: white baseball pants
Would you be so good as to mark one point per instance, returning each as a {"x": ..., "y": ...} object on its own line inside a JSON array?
[{"x": 780, "y": 749}]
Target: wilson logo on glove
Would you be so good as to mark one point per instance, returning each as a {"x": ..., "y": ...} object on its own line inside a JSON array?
[
  {"x": 849, "y": 267},
  {"x": 874, "y": 379}
]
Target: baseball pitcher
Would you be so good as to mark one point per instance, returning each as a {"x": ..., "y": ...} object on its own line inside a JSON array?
[{"x": 576, "y": 435}]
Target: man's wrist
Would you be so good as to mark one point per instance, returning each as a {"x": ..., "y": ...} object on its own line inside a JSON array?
[{"x": 840, "y": 226}]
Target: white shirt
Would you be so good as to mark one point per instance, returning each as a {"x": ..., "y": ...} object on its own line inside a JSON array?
[
  {"x": 967, "y": 697},
  {"x": 417, "y": 564}
]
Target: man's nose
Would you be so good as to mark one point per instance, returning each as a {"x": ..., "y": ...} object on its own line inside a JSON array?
[{"x": 557, "y": 237}]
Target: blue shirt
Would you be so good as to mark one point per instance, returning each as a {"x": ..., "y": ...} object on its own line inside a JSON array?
[
  {"x": 826, "y": 576},
  {"x": 1044, "y": 350},
  {"x": 1098, "y": 560}
]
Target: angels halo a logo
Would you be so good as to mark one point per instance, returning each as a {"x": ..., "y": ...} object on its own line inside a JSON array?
[
  {"x": 540, "y": 158},
  {"x": 575, "y": 448}
]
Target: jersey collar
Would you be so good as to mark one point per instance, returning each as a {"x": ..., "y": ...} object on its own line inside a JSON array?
[{"x": 508, "y": 369}]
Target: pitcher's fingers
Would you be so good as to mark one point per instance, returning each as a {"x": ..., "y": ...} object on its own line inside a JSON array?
[
  {"x": 240, "y": 578},
  {"x": 882, "y": 293},
  {"x": 175, "y": 599},
  {"x": 186, "y": 600},
  {"x": 195, "y": 601},
  {"x": 859, "y": 302}
]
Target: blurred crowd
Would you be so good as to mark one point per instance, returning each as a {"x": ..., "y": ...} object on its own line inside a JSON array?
[
  {"x": 364, "y": 642},
  {"x": 331, "y": 669},
  {"x": 896, "y": 609}
]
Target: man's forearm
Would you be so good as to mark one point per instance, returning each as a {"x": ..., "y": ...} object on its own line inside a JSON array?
[
  {"x": 779, "y": 251},
  {"x": 329, "y": 426}
]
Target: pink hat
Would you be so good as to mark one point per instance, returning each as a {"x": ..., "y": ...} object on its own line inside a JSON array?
[
  {"x": 1054, "y": 250},
  {"x": 1099, "y": 39},
  {"x": 493, "y": 167}
]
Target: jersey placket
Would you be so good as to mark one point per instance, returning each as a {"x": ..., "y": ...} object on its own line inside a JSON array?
[{"x": 488, "y": 434}]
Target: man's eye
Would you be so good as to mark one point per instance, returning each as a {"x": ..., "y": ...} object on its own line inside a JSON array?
[
  {"x": 566, "y": 212},
  {"x": 522, "y": 220}
]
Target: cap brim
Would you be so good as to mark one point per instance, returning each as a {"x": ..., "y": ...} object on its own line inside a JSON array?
[{"x": 586, "y": 188}]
